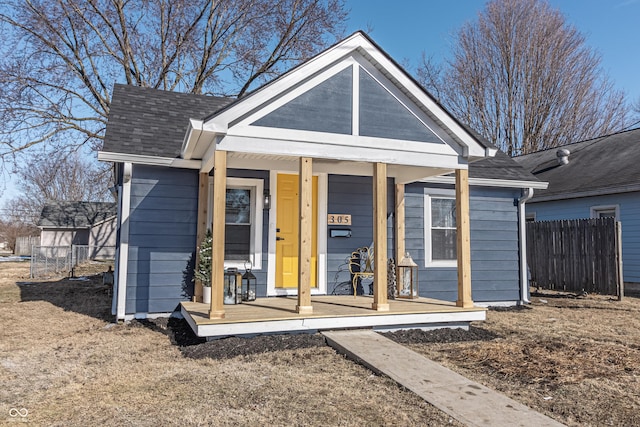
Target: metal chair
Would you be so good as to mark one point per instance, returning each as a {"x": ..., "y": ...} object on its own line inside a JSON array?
[{"x": 361, "y": 266}]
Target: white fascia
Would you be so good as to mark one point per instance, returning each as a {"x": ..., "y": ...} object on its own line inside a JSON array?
[
  {"x": 106, "y": 156},
  {"x": 279, "y": 147},
  {"x": 198, "y": 140},
  {"x": 356, "y": 43},
  {"x": 194, "y": 130},
  {"x": 472, "y": 147},
  {"x": 283, "y": 84},
  {"x": 486, "y": 182}
]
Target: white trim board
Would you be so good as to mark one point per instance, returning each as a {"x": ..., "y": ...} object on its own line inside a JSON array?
[
  {"x": 105, "y": 156},
  {"x": 356, "y": 49},
  {"x": 312, "y": 324},
  {"x": 123, "y": 246},
  {"x": 489, "y": 182}
]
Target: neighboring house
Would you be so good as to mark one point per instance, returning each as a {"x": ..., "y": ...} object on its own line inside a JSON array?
[
  {"x": 348, "y": 116},
  {"x": 80, "y": 223},
  {"x": 596, "y": 178}
]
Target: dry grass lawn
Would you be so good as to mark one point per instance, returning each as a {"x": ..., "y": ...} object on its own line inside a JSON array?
[
  {"x": 63, "y": 362},
  {"x": 574, "y": 359}
]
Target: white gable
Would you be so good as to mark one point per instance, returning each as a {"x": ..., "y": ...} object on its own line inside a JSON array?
[{"x": 350, "y": 103}]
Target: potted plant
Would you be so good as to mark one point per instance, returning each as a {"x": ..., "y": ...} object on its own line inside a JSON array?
[{"x": 203, "y": 269}]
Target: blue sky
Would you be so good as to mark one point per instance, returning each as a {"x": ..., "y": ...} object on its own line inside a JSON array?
[{"x": 406, "y": 28}]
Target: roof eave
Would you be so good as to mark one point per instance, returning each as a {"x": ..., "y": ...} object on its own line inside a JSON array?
[
  {"x": 586, "y": 193},
  {"x": 106, "y": 156},
  {"x": 471, "y": 147},
  {"x": 491, "y": 182}
]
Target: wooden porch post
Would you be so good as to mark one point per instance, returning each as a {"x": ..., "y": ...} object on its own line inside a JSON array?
[
  {"x": 216, "y": 310},
  {"x": 203, "y": 203},
  {"x": 399, "y": 223},
  {"x": 305, "y": 236},
  {"x": 463, "y": 239},
  {"x": 380, "y": 237}
]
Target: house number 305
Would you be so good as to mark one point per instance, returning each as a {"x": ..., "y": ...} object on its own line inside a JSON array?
[{"x": 339, "y": 219}]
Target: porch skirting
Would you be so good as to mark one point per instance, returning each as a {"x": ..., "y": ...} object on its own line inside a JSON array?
[{"x": 278, "y": 315}]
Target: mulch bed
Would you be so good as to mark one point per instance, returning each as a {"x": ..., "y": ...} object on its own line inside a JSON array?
[
  {"x": 445, "y": 335},
  {"x": 195, "y": 347}
]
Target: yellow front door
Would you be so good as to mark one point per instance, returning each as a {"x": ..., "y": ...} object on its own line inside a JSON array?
[{"x": 287, "y": 216}]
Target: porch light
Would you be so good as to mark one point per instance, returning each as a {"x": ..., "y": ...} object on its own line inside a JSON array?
[
  {"x": 407, "y": 278},
  {"x": 232, "y": 286},
  {"x": 267, "y": 200},
  {"x": 248, "y": 286}
]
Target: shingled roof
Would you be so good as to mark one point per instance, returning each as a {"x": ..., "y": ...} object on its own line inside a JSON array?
[
  {"x": 605, "y": 165},
  {"x": 75, "y": 214},
  {"x": 153, "y": 122}
]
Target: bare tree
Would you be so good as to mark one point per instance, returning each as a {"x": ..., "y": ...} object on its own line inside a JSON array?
[
  {"x": 60, "y": 58},
  {"x": 636, "y": 109},
  {"x": 13, "y": 224},
  {"x": 525, "y": 79},
  {"x": 57, "y": 176}
]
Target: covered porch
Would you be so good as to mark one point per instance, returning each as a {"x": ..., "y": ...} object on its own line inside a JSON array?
[
  {"x": 349, "y": 111},
  {"x": 330, "y": 312}
]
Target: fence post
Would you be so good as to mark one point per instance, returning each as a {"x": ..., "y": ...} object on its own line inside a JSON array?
[
  {"x": 33, "y": 249},
  {"x": 620, "y": 276}
]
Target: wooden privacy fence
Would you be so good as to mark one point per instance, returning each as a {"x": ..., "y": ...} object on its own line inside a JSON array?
[
  {"x": 576, "y": 255},
  {"x": 24, "y": 244}
]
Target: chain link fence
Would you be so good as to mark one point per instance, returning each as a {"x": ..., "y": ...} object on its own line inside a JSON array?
[{"x": 47, "y": 261}]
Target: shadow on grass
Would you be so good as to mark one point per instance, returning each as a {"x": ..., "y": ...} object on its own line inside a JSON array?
[{"x": 89, "y": 297}]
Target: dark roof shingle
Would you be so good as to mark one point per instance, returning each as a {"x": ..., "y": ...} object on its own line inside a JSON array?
[
  {"x": 500, "y": 167},
  {"x": 608, "y": 164},
  {"x": 153, "y": 122},
  {"x": 75, "y": 214}
]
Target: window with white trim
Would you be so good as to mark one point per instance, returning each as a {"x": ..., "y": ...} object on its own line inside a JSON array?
[
  {"x": 238, "y": 219},
  {"x": 243, "y": 223},
  {"x": 609, "y": 211},
  {"x": 440, "y": 230}
]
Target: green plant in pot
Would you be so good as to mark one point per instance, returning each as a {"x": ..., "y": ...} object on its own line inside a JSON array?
[{"x": 203, "y": 269}]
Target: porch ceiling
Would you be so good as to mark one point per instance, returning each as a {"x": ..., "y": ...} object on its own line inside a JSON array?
[{"x": 402, "y": 174}]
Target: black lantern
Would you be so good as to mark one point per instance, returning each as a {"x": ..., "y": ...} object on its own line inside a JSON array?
[
  {"x": 232, "y": 286},
  {"x": 407, "y": 278},
  {"x": 248, "y": 286}
]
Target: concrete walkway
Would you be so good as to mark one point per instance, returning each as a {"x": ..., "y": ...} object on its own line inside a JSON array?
[{"x": 470, "y": 403}]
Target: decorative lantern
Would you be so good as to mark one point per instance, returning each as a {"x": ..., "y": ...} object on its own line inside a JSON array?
[
  {"x": 248, "y": 286},
  {"x": 232, "y": 286},
  {"x": 407, "y": 279}
]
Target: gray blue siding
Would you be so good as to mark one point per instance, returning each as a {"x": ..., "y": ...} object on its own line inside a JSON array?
[
  {"x": 393, "y": 121},
  {"x": 324, "y": 108},
  {"x": 162, "y": 238},
  {"x": 494, "y": 246},
  {"x": 629, "y": 205},
  {"x": 353, "y": 195}
]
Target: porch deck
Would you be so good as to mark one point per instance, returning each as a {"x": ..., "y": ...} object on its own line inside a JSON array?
[{"x": 278, "y": 315}]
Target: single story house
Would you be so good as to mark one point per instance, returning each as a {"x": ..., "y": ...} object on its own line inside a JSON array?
[
  {"x": 91, "y": 224},
  {"x": 596, "y": 178},
  {"x": 344, "y": 151}
]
